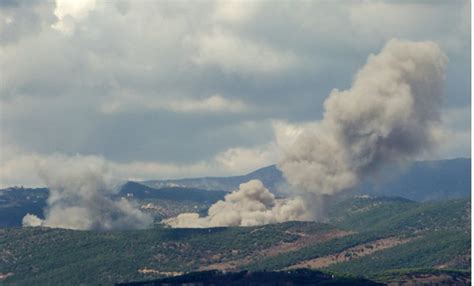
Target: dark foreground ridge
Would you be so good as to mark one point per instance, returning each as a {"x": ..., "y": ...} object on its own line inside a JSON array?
[{"x": 297, "y": 277}]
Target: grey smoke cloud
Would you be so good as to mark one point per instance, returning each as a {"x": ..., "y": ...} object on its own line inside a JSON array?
[
  {"x": 252, "y": 204},
  {"x": 390, "y": 115},
  {"x": 80, "y": 197},
  {"x": 162, "y": 49}
]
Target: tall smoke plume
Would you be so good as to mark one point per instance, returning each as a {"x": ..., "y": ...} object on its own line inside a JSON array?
[
  {"x": 80, "y": 197},
  {"x": 252, "y": 204},
  {"x": 389, "y": 116}
]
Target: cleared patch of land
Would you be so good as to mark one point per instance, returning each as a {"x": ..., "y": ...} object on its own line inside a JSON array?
[
  {"x": 303, "y": 240},
  {"x": 350, "y": 253},
  {"x": 148, "y": 271},
  {"x": 462, "y": 261}
]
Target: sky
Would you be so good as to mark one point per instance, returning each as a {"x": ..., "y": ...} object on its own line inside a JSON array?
[{"x": 172, "y": 89}]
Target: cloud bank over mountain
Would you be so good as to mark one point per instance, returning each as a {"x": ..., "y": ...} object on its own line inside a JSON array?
[{"x": 192, "y": 81}]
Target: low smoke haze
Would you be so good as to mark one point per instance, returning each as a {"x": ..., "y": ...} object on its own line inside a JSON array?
[
  {"x": 252, "y": 204},
  {"x": 94, "y": 93},
  {"x": 80, "y": 190}
]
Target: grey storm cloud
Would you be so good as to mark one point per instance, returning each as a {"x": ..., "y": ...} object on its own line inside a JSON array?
[{"x": 141, "y": 80}]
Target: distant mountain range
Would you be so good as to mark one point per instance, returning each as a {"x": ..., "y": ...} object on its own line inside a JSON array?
[
  {"x": 270, "y": 176},
  {"x": 422, "y": 181},
  {"x": 179, "y": 194},
  {"x": 426, "y": 181}
]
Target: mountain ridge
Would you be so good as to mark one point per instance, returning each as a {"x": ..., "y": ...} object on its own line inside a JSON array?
[{"x": 420, "y": 181}]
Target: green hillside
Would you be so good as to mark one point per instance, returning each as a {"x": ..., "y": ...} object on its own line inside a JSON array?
[
  {"x": 73, "y": 257},
  {"x": 433, "y": 249},
  {"x": 162, "y": 203},
  {"x": 392, "y": 215},
  {"x": 432, "y": 225},
  {"x": 427, "y": 235}
]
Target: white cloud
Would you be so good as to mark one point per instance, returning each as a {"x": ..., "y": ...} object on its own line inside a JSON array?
[
  {"x": 18, "y": 167},
  {"x": 126, "y": 101},
  {"x": 233, "y": 161},
  {"x": 242, "y": 160},
  {"x": 69, "y": 12},
  {"x": 233, "y": 53},
  {"x": 454, "y": 135},
  {"x": 140, "y": 170},
  {"x": 234, "y": 11},
  {"x": 242, "y": 60},
  {"x": 21, "y": 169}
]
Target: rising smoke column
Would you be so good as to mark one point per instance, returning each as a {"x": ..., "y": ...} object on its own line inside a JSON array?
[
  {"x": 80, "y": 190},
  {"x": 252, "y": 204},
  {"x": 388, "y": 116}
]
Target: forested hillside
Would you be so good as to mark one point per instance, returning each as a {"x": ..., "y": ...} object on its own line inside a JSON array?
[{"x": 366, "y": 236}]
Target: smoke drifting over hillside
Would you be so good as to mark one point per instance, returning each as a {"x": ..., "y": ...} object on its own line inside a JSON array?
[
  {"x": 252, "y": 204},
  {"x": 388, "y": 116},
  {"x": 80, "y": 197}
]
